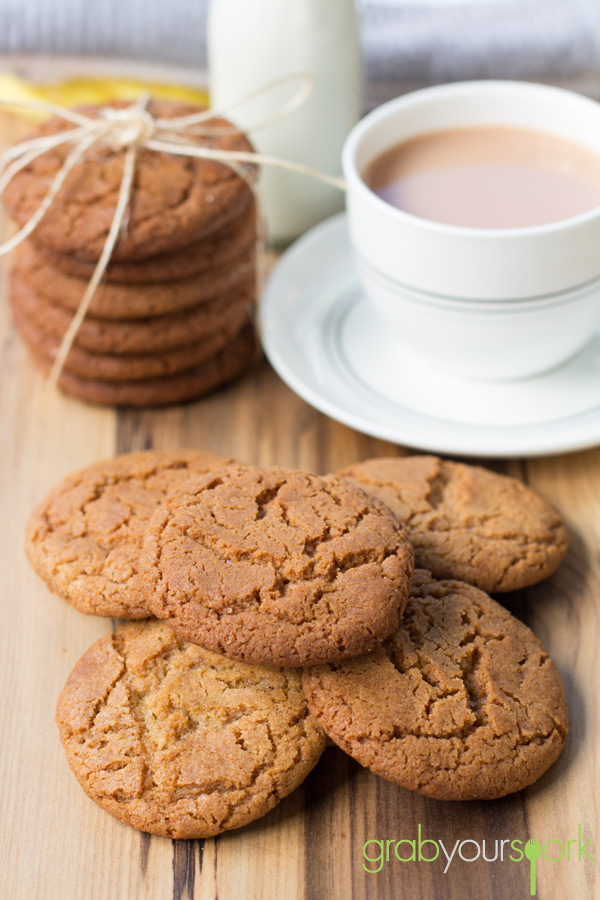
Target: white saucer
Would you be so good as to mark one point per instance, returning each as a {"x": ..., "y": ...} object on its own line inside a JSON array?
[{"x": 322, "y": 338}]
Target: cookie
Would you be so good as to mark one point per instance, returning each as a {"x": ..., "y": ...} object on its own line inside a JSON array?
[
  {"x": 224, "y": 247},
  {"x": 216, "y": 372},
  {"x": 175, "y": 200},
  {"x": 181, "y": 742},
  {"x": 223, "y": 316},
  {"x": 276, "y": 567},
  {"x": 117, "y": 301},
  {"x": 466, "y": 522},
  {"x": 112, "y": 366},
  {"x": 85, "y": 538},
  {"x": 462, "y": 703}
]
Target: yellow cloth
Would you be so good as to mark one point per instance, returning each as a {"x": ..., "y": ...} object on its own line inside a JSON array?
[{"x": 90, "y": 90}]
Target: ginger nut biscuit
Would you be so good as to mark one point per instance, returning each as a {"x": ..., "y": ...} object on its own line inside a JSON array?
[
  {"x": 273, "y": 566},
  {"x": 116, "y": 366},
  {"x": 208, "y": 323},
  {"x": 222, "y": 368},
  {"x": 118, "y": 301},
  {"x": 85, "y": 538},
  {"x": 466, "y": 522},
  {"x": 178, "y": 741},
  {"x": 226, "y": 248},
  {"x": 175, "y": 200},
  {"x": 461, "y": 703}
]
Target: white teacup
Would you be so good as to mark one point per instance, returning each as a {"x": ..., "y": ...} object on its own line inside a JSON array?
[{"x": 485, "y": 303}]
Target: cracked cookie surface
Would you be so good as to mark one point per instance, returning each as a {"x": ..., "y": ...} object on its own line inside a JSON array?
[
  {"x": 461, "y": 703},
  {"x": 467, "y": 522},
  {"x": 278, "y": 567},
  {"x": 181, "y": 742},
  {"x": 85, "y": 538},
  {"x": 175, "y": 200}
]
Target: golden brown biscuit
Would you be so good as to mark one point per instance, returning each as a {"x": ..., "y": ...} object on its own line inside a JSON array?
[
  {"x": 181, "y": 742},
  {"x": 116, "y": 366},
  {"x": 123, "y": 301},
  {"x": 276, "y": 567},
  {"x": 175, "y": 200},
  {"x": 461, "y": 703},
  {"x": 84, "y": 539},
  {"x": 210, "y": 375},
  {"x": 221, "y": 249},
  {"x": 223, "y": 315},
  {"x": 466, "y": 522}
]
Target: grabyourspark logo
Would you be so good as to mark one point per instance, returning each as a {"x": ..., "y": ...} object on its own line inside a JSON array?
[{"x": 378, "y": 853}]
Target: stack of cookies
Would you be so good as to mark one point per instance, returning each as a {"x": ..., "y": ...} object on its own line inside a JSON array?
[
  {"x": 287, "y": 609},
  {"x": 172, "y": 319}
]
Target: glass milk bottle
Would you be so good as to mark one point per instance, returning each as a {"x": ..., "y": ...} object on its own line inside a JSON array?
[{"x": 254, "y": 42}]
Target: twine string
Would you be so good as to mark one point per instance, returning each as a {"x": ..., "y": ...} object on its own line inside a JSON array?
[
  {"x": 289, "y": 106},
  {"x": 111, "y": 240},
  {"x": 72, "y": 159},
  {"x": 70, "y": 115},
  {"x": 40, "y": 144},
  {"x": 109, "y": 245},
  {"x": 128, "y": 130},
  {"x": 247, "y": 157},
  {"x": 260, "y": 261}
]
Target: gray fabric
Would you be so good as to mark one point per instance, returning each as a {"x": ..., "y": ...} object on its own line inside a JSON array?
[
  {"x": 406, "y": 42},
  {"x": 411, "y": 42},
  {"x": 165, "y": 31},
  {"x": 436, "y": 41}
]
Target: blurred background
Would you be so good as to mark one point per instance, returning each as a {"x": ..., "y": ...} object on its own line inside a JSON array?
[{"x": 406, "y": 43}]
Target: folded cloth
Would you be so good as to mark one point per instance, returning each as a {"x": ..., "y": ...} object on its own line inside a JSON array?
[
  {"x": 406, "y": 42},
  {"x": 418, "y": 42}
]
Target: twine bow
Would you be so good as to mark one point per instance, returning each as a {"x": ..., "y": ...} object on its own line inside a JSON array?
[{"x": 128, "y": 130}]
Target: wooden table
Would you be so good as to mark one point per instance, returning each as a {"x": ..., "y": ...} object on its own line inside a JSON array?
[{"x": 58, "y": 845}]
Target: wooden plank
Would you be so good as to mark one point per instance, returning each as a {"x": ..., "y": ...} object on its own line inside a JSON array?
[
  {"x": 44, "y": 437},
  {"x": 565, "y": 614}
]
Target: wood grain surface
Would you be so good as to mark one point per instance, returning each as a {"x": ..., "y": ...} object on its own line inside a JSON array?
[{"x": 55, "y": 843}]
